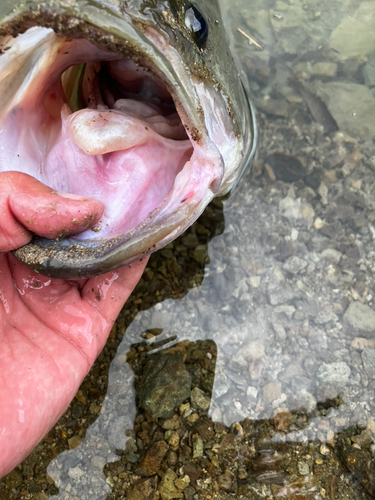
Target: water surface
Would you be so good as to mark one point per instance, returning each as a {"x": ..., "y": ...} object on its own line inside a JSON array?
[{"x": 244, "y": 364}]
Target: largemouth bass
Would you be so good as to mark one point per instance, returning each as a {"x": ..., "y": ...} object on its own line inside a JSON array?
[{"x": 135, "y": 103}]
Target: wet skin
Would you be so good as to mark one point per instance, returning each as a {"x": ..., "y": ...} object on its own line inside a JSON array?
[{"x": 51, "y": 330}]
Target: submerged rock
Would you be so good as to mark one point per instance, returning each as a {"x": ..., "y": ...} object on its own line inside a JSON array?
[
  {"x": 164, "y": 385},
  {"x": 360, "y": 316}
]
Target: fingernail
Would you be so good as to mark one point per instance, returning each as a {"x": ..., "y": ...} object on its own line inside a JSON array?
[{"x": 70, "y": 196}]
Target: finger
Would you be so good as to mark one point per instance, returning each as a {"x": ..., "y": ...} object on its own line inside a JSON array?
[{"x": 28, "y": 206}]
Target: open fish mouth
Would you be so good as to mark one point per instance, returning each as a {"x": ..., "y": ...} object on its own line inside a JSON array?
[{"x": 124, "y": 128}]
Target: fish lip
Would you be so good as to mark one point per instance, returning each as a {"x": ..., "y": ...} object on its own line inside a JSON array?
[{"x": 53, "y": 258}]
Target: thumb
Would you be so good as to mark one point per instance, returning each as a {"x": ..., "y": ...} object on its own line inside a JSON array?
[{"x": 27, "y": 206}]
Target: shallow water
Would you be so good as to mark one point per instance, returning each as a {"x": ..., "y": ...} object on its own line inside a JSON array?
[{"x": 262, "y": 375}]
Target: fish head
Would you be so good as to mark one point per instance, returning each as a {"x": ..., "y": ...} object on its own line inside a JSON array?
[{"x": 136, "y": 103}]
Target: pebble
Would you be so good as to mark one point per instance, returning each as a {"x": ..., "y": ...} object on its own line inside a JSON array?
[
  {"x": 360, "y": 316},
  {"x": 167, "y": 488},
  {"x": 197, "y": 447},
  {"x": 272, "y": 391},
  {"x": 332, "y": 255},
  {"x": 98, "y": 462},
  {"x": 254, "y": 281},
  {"x": 335, "y": 373},
  {"x": 324, "y": 450},
  {"x": 199, "y": 399},
  {"x": 153, "y": 459},
  {"x": 74, "y": 441},
  {"x": 75, "y": 472},
  {"x": 325, "y": 315},
  {"x": 318, "y": 223},
  {"x": 294, "y": 264},
  {"x": 368, "y": 359},
  {"x": 182, "y": 482},
  {"x": 303, "y": 468}
]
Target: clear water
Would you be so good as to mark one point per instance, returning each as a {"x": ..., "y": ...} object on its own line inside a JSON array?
[{"x": 285, "y": 313}]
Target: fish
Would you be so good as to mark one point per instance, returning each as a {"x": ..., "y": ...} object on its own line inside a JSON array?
[{"x": 136, "y": 103}]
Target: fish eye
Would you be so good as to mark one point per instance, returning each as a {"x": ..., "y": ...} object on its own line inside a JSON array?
[{"x": 197, "y": 24}]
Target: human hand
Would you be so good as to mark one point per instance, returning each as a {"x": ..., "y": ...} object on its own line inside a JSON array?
[{"x": 51, "y": 330}]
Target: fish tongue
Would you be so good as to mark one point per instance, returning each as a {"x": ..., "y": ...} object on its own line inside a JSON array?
[{"x": 104, "y": 131}]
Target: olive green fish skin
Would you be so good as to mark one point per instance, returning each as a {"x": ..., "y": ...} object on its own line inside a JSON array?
[
  {"x": 100, "y": 22},
  {"x": 120, "y": 27}
]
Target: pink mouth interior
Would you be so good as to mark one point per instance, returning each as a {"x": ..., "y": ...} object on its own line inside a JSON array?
[{"x": 125, "y": 144}]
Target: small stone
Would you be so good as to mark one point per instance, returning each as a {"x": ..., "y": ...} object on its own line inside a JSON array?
[
  {"x": 280, "y": 294},
  {"x": 368, "y": 360},
  {"x": 173, "y": 439},
  {"x": 197, "y": 447},
  {"x": 74, "y": 442},
  {"x": 151, "y": 463},
  {"x": 323, "y": 193},
  {"x": 172, "y": 458},
  {"x": 95, "y": 409},
  {"x": 360, "y": 316},
  {"x": 318, "y": 223},
  {"x": 81, "y": 397},
  {"x": 109, "y": 480},
  {"x": 199, "y": 399},
  {"x": 41, "y": 496},
  {"x": 142, "y": 490},
  {"x": 167, "y": 488},
  {"x": 334, "y": 373},
  {"x": 272, "y": 391},
  {"x": 182, "y": 482},
  {"x": 303, "y": 468},
  {"x": 254, "y": 281},
  {"x": 296, "y": 209},
  {"x": 286, "y": 309},
  {"x": 324, "y": 450},
  {"x": 325, "y": 315},
  {"x": 359, "y": 343},
  {"x": 363, "y": 439},
  {"x": 282, "y": 420},
  {"x": 172, "y": 423},
  {"x": 132, "y": 458},
  {"x": 294, "y": 264},
  {"x": 183, "y": 407},
  {"x": 325, "y": 69},
  {"x": 227, "y": 482},
  {"x": 279, "y": 331},
  {"x": 205, "y": 429},
  {"x": 98, "y": 463},
  {"x": 192, "y": 418},
  {"x": 332, "y": 255},
  {"x": 252, "y": 393},
  {"x": 75, "y": 473},
  {"x": 242, "y": 474},
  {"x": 13, "y": 480}
]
